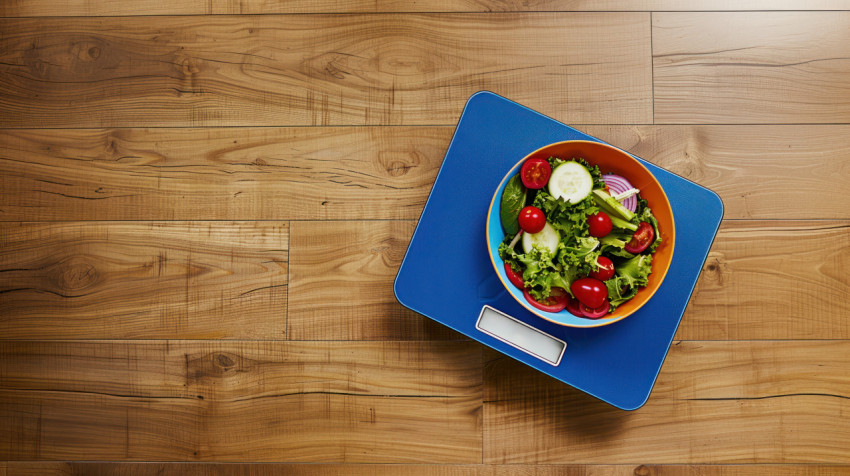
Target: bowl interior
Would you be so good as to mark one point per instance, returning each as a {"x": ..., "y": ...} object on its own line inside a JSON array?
[{"x": 610, "y": 160}]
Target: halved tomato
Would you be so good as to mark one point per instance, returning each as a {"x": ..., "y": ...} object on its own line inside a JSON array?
[
  {"x": 643, "y": 237},
  {"x": 556, "y": 302},
  {"x": 574, "y": 307},
  {"x": 595, "y": 313},
  {"x": 535, "y": 173},
  {"x": 514, "y": 277}
]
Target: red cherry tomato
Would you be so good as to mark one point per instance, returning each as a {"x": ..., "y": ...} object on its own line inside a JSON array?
[
  {"x": 556, "y": 302},
  {"x": 605, "y": 270},
  {"x": 589, "y": 291},
  {"x": 535, "y": 173},
  {"x": 574, "y": 307},
  {"x": 595, "y": 313},
  {"x": 514, "y": 277},
  {"x": 643, "y": 237},
  {"x": 599, "y": 224},
  {"x": 531, "y": 219}
]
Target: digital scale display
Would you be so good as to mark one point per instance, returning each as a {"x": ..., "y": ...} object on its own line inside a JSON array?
[{"x": 521, "y": 336}]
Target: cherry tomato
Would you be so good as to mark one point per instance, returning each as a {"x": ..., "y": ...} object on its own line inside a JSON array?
[
  {"x": 595, "y": 313},
  {"x": 605, "y": 270},
  {"x": 556, "y": 302},
  {"x": 535, "y": 173},
  {"x": 531, "y": 219},
  {"x": 589, "y": 291},
  {"x": 643, "y": 237},
  {"x": 599, "y": 224},
  {"x": 574, "y": 307},
  {"x": 514, "y": 277}
]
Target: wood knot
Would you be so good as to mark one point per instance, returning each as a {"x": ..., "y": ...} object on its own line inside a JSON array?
[
  {"x": 224, "y": 361},
  {"x": 74, "y": 274},
  {"x": 94, "y": 52},
  {"x": 260, "y": 162},
  {"x": 190, "y": 67},
  {"x": 642, "y": 471},
  {"x": 335, "y": 64},
  {"x": 689, "y": 164},
  {"x": 398, "y": 163},
  {"x": 390, "y": 249},
  {"x": 215, "y": 366},
  {"x": 714, "y": 271}
]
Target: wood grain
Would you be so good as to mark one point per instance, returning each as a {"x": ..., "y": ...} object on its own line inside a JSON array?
[
  {"x": 354, "y": 172},
  {"x": 342, "y": 283},
  {"x": 231, "y": 283},
  {"x": 751, "y": 67},
  {"x": 320, "y": 69},
  {"x": 724, "y": 402},
  {"x": 143, "y": 280},
  {"x": 251, "y": 173},
  {"x": 773, "y": 280},
  {"x": 20, "y": 8},
  {"x": 253, "y": 401},
  {"x": 271, "y": 469},
  {"x": 759, "y": 171},
  {"x": 762, "y": 280}
]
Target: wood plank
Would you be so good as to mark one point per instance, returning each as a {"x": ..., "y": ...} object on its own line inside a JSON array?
[
  {"x": 82, "y": 280},
  {"x": 21, "y": 8},
  {"x": 290, "y": 469},
  {"x": 334, "y": 173},
  {"x": 751, "y": 67},
  {"x": 714, "y": 402},
  {"x": 241, "y": 401},
  {"x": 773, "y": 280},
  {"x": 320, "y": 69},
  {"x": 745, "y": 291},
  {"x": 190, "y": 174},
  {"x": 143, "y": 280},
  {"x": 341, "y": 279},
  {"x": 760, "y": 171}
]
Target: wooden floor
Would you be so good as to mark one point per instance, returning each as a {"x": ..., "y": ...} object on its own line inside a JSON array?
[{"x": 203, "y": 205}]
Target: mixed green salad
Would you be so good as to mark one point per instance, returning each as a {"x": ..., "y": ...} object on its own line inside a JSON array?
[{"x": 575, "y": 239}]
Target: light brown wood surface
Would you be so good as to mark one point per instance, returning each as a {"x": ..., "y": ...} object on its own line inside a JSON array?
[
  {"x": 21, "y": 8},
  {"x": 304, "y": 402},
  {"x": 310, "y": 173},
  {"x": 321, "y": 469},
  {"x": 751, "y": 67},
  {"x": 320, "y": 69},
  {"x": 203, "y": 206},
  {"x": 144, "y": 280}
]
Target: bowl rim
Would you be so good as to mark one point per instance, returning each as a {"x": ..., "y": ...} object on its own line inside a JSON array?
[{"x": 593, "y": 322}]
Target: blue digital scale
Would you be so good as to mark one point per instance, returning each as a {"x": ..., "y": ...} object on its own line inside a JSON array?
[{"x": 447, "y": 275}]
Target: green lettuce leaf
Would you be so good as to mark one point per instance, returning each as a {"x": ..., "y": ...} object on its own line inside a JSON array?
[{"x": 513, "y": 199}]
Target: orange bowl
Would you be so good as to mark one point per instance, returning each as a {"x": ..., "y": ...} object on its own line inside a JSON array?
[{"x": 610, "y": 160}]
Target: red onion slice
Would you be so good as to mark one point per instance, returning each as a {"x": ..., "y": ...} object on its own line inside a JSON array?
[{"x": 617, "y": 184}]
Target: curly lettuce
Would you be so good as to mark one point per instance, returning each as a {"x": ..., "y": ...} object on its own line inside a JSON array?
[
  {"x": 577, "y": 252},
  {"x": 630, "y": 276}
]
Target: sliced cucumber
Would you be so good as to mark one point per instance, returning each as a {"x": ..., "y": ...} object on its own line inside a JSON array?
[
  {"x": 547, "y": 238},
  {"x": 611, "y": 206},
  {"x": 622, "y": 224},
  {"x": 571, "y": 182}
]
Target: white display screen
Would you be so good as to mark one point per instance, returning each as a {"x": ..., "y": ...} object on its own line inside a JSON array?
[{"x": 521, "y": 335}]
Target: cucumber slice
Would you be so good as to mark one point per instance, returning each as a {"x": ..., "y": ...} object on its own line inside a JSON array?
[
  {"x": 571, "y": 182},
  {"x": 547, "y": 238}
]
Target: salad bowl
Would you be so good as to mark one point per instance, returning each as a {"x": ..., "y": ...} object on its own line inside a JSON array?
[{"x": 610, "y": 160}]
